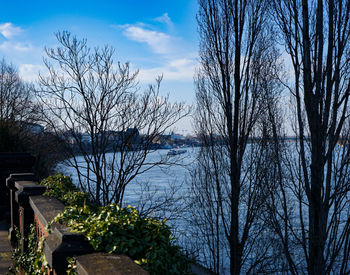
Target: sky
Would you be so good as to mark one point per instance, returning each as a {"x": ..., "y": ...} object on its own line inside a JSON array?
[{"x": 157, "y": 37}]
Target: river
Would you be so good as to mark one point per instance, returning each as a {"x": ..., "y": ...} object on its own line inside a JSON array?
[{"x": 155, "y": 184}]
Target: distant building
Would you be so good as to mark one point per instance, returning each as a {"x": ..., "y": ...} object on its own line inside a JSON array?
[
  {"x": 177, "y": 137},
  {"x": 85, "y": 137},
  {"x": 32, "y": 127}
]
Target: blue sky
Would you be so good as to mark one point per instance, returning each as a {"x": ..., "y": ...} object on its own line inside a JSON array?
[{"x": 155, "y": 36}]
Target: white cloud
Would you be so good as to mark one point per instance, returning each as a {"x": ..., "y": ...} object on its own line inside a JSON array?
[
  {"x": 8, "y": 30},
  {"x": 9, "y": 46},
  {"x": 29, "y": 72},
  {"x": 15, "y": 49},
  {"x": 159, "y": 42},
  {"x": 164, "y": 19},
  {"x": 178, "y": 70},
  {"x": 177, "y": 60}
]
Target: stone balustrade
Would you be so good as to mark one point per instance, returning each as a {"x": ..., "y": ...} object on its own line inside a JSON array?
[
  {"x": 22, "y": 198},
  {"x": 30, "y": 206},
  {"x": 10, "y": 183},
  {"x": 26, "y": 205},
  {"x": 104, "y": 263}
]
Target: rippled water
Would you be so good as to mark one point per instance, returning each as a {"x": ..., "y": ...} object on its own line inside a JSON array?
[{"x": 159, "y": 179}]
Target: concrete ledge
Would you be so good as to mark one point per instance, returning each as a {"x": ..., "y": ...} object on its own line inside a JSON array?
[
  {"x": 10, "y": 183},
  {"x": 104, "y": 263}
]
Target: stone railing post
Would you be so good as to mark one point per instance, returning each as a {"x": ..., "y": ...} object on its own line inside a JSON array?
[
  {"x": 11, "y": 163},
  {"x": 26, "y": 215},
  {"x": 10, "y": 183}
]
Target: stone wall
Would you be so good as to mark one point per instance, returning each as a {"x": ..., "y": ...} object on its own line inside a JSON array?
[{"x": 22, "y": 204}]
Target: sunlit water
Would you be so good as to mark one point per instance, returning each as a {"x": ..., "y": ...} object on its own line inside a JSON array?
[{"x": 159, "y": 179}]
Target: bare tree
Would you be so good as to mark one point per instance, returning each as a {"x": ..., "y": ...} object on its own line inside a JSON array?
[
  {"x": 19, "y": 117},
  {"x": 312, "y": 216},
  {"x": 230, "y": 182},
  {"x": 15, "y": 95},
  {"x": 16, "y": 109},
  {"x": 96, "y": 105}
]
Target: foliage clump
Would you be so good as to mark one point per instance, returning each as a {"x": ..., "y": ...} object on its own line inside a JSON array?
[
  {"x": 62, "y": 188},
  {"x": 111, "y": 228},
  {"x": 118, "y": 230},
  {"x": 33, "y": 260}
]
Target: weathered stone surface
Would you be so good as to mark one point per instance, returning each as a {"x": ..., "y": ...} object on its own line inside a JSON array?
[
  {"x": 26, "y": 214},
  {"x": 104, "y": 263},
  {"x": 45, "y": 208},
  {"x": 10, "y": 181},
  {"x": 28, "y": 186},
  {"x": 62, "y": 243},
  {"x": 26, "y": 189}
]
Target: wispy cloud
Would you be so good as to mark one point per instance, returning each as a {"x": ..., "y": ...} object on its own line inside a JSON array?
[
  {"x": 174, "y": 70},
  {"x": 176, "y": 59},
  {"x": 165, "y": 19},
  {"x": 159, "y": 42},
  {"x": 8, "y": 30},
  {"x": 9, "y": 46}
]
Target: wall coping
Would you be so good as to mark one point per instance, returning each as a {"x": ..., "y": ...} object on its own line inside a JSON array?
[
  {"x": 61, "y": 242},
  {"x": 26, "y": 185},
  {"x": 105, "y": 263},
  {"x": 10, "y": 181},
  {"x": 45, "y": 208},
  {"x": 26, "y": 189}
]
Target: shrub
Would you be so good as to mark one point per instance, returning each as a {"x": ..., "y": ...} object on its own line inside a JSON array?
[
  {"x": 62, "y": 188},
  {"x": 32, "y": 261},
  {"x": 113, "y": 229}
]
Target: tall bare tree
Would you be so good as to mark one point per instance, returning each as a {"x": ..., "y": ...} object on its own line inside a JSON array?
[
  {"x": 19, "y": 118},
  {"x": 237, "y": 60},
  {"x": 16, "y": 109},
  {"x": 96, "y": 105},
  {"x": 312, "y": 216},
  {"x": 15, "y": 95}
]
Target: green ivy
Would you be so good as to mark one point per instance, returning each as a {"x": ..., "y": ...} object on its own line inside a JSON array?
[
  {"x": 62, "y": 188},
  {"x": 113, "y": 229},
  {"x": 118, "y": 230},
  {"x": 33, "y": 260},
  {"x": 71, "y": 270}
]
